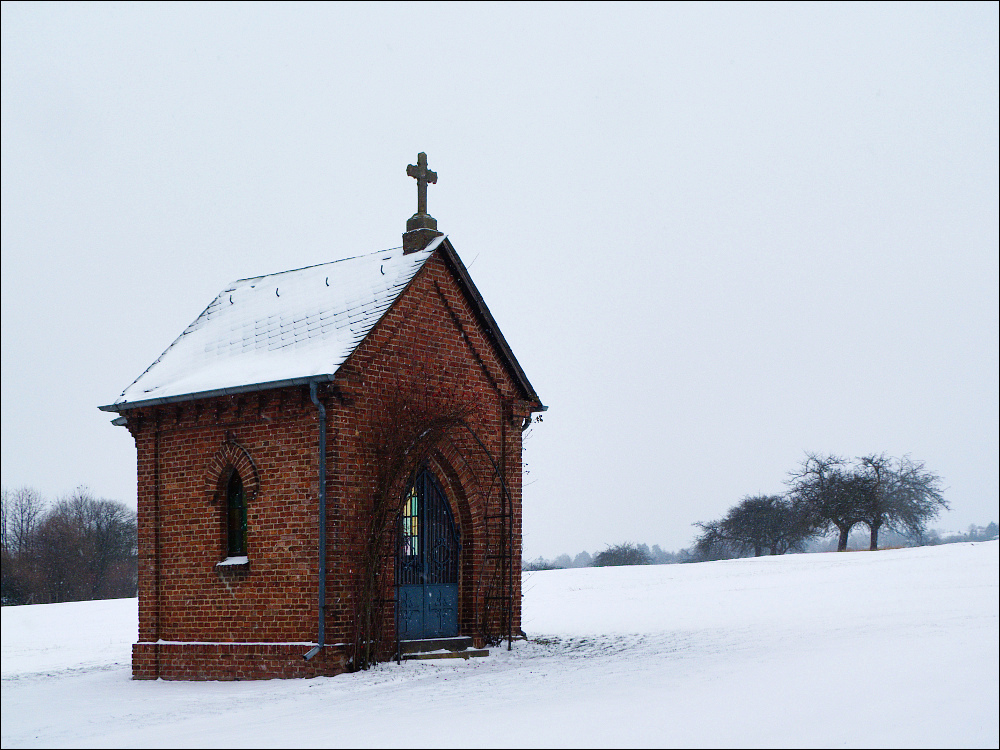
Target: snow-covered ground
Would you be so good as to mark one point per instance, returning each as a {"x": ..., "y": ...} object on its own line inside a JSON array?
[{"x": 894, "y": 648}]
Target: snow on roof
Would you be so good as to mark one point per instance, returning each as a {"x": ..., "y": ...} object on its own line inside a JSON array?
[{"x": 280, "y": 327}]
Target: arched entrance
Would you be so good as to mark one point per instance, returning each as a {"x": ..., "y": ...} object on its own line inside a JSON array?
[{"x": 427, "y": 556}]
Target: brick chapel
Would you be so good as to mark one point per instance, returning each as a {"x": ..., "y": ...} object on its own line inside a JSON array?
[{"x": 329, "y": 470}]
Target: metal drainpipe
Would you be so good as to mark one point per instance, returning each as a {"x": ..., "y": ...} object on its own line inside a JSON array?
[{"x": 321, "y": 603}]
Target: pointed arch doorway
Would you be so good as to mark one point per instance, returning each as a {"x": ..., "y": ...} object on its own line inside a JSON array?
[{"x": 427, "y": 557}]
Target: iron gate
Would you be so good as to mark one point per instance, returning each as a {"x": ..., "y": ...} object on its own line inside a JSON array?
[{"x": 427, "y": 563}]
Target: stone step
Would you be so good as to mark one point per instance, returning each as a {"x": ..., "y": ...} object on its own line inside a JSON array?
[
  {"x": 469, "y": 653},
  {"x": 456, "y": 643},
  {"x": 457, "y": 647}
]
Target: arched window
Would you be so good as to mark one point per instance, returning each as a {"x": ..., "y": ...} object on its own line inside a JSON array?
[{"x": 236, "y": 516}]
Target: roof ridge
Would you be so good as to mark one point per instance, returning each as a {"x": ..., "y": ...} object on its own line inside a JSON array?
[{"x": 316, "y": 265}]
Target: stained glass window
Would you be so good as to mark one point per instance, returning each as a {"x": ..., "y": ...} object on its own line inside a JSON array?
[{"x": 411, "y": 521}]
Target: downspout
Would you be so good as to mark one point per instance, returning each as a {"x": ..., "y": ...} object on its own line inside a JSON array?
[
  {"x": 507, "y": 545},
  {"x": 156, "y": 531},
  {"x": 321, "y": 599}
]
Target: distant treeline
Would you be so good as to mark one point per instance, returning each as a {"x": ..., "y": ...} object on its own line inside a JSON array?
[
  {"x": 828, "y": 497},
  {"x": 643, "y": 554},
  {"x": 77, "y": 548},
  {"x": 627, "y": 553}
]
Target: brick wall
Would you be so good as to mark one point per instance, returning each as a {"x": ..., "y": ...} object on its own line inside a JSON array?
[
  {"x": 233, "y": 661},
  {"x": 214, "y": 619}
]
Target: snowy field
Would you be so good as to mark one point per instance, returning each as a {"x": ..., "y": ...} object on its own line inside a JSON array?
[{"x": 887, "y": 649}]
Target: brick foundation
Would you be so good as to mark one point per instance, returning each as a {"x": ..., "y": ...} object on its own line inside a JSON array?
[{"x": 233, "y": 661}]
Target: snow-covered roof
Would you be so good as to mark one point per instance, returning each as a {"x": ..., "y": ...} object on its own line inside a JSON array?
[{"x": 274, "y": 329}]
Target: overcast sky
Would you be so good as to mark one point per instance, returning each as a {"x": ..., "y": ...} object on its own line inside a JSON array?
[{"x": 714, "y": 236}]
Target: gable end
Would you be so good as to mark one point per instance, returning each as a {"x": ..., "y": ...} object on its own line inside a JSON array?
[{"x": 488, "y": 323}]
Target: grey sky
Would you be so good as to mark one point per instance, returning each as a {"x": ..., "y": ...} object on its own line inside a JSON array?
[{"x": 715, "y": 236}]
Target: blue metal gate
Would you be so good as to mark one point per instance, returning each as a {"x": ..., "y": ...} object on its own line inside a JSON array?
[{"x": 427, "y": 563}]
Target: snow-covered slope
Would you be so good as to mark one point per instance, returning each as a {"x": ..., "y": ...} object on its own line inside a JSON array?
[{"x": 895, "y": 648}]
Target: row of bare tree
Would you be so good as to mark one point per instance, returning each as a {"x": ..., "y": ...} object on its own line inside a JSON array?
[
  {"x": 825, "y": 494},
  {"x": 78, "y": 548}
]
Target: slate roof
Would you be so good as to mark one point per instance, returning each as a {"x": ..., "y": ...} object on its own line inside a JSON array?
[
  {"x": 279, "y": 329},
  {"x": 293, "y": 327}
]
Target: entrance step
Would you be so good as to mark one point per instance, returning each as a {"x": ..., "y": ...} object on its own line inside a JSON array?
[
  {"x": 459, "y": 647},
  {"x": 471, "y": 653},
  {"x": 455, "y": 643}
]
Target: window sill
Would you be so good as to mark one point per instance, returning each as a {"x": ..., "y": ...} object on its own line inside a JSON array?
[{"x": 234, "y": 563}]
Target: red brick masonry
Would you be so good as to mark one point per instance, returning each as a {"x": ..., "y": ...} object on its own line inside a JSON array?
[{"x": 233, "y": 661}]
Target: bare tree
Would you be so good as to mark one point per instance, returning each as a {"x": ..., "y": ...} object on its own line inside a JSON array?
[
  {"x": 626, "y": 553},
  {"x": 759, "y": 524},
  {"x": 899, "y": 494},
  {"x": 80, "y": 548},
  {"x": 86, "y": 549},
  {"x": 111, "y": 540},
  {"x": 831, "y": 495},
  {"x": 713, "y": 544},
  {"x": 878, "y": 491},
  {"x": 58, "y": 555},
  {"x": 22, "y": 510}
]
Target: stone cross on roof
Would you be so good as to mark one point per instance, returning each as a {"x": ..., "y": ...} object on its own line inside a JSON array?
[
  {"x": 421, "y": 219},
  {"x": 421, "y": 228}
]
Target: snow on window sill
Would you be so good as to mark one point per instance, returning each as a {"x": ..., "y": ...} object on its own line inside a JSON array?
[{"x": 234, "y": 562}]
